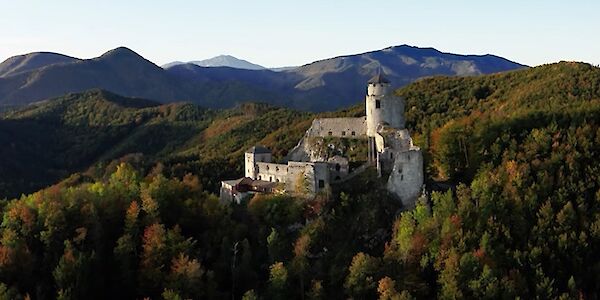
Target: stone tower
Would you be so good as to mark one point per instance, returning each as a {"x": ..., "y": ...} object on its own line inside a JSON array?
[
  {"x": 382, "y": 106},
  {"x": 254, "y": 155}
]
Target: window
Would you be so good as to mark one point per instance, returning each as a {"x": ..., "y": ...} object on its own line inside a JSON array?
[
  {"x": 343, "y": 133},
  {"x": 401, "y": 177},
  {"x": 330, "y": 133},
  {"x": 277, "y": 180},
  {"x": 400, "y": 170},
  {"x": 321, "y": 183},
  {"x": 353, "y": 133},
  {"x": 259, "y": 177},
  {"x": 337, "y": 167},
  {"x": 409, "y": 157},
  {"x": 276, "y": 169},
  {"x": 337, "y": 178},
  {"x": 267, "y": 168},
  {"x": 377, "y": 103},
  {"x": 391, "y": 155},
  {"x": 270, "y": 178}
]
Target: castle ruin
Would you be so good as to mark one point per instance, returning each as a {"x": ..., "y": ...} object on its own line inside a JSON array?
[{"x": 390, "y": 149}]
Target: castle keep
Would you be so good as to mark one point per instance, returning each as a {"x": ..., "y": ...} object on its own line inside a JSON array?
[{"x": 390, "y": 149}]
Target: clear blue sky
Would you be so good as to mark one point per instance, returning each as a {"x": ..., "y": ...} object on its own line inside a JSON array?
[{"x": 282, "y": 33}]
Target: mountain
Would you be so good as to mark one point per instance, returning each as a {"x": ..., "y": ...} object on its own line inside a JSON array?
[
  {"x": 338, "y": 82},
  {"x": 221, "y": 61},
  {"x": 31, "y": 61},
  {"x": 120, "y": 70},
  {"x": 320, "y": 86}
]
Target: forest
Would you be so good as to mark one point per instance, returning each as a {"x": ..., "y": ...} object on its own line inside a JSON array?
[{"x": 511, "y": 210}]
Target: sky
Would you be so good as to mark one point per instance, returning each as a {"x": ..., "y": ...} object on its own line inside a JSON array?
[{"x": 289, "y": 33}]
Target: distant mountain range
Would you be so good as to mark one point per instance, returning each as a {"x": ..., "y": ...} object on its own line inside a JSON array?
[
  {"x": 323, "y": 85},
  {"x": 220, "y": 61}
]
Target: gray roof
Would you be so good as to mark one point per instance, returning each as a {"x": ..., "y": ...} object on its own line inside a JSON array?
[
  {"x": 379, "y": 79},
  {"x": 258, "y": 150}
]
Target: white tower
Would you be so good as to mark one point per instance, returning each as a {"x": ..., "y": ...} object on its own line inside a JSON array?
[
  {"x": 382, "y": 106},
  {"x": 254, "y": 155}
]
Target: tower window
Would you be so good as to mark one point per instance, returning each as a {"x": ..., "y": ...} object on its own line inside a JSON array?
[
  {"x": 343, "y": 133},
  {"x": 321, "y": 183},
  {"x": 377, "y": 103},
  {"x": 353, "y": 133}
]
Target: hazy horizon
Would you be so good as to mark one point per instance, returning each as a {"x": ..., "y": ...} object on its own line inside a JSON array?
[{"x": 277, "y": 34}]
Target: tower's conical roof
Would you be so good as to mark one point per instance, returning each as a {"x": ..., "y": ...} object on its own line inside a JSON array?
[{"x": 379, "y": 79}]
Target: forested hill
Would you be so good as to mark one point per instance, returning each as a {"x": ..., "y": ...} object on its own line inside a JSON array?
[
  {"x": 466, "y": 116},
  {"x": 48, "y": 141},
  {"x": 523, "y": 218}
]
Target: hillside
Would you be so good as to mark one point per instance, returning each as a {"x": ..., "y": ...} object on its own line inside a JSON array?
[
  {"x": 50, "y": 140},
  {"x": 519, "y": 216},
  {"x": 320, "y": 86}
]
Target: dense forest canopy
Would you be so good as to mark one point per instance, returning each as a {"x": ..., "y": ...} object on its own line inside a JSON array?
[{"x": 521, "y": 217}]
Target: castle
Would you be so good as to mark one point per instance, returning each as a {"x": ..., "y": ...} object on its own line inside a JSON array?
[{"x": 390, "y": 149}]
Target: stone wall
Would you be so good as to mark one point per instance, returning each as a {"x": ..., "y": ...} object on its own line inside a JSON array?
[
  {"x": 406, "y": 178},
  {"x": 338, "y": 127},
  {"x": 306, "y": 177},
  {"x": 250, "y": 160},
  {"x": 271, "y": 172}
]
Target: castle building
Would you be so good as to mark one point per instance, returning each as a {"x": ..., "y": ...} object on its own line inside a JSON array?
[{"x": 390, "y": 149}]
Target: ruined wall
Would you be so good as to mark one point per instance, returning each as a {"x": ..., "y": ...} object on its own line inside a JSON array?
[
  {"x": 250, "y": 160},
  {"x": 306, "y": 178},
  {"x": 271, "y": 172},
  {"x": 338, "y": 127},
  {"x": 406, "y": 178}
]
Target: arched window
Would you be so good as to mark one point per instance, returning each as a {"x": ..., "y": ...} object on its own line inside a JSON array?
[{"x": 276, "y": 169}]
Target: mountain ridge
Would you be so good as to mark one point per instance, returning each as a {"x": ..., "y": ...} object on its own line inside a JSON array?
[
  {"x": 327, "y": 84},
  {"x": 220, "y": 61}
]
